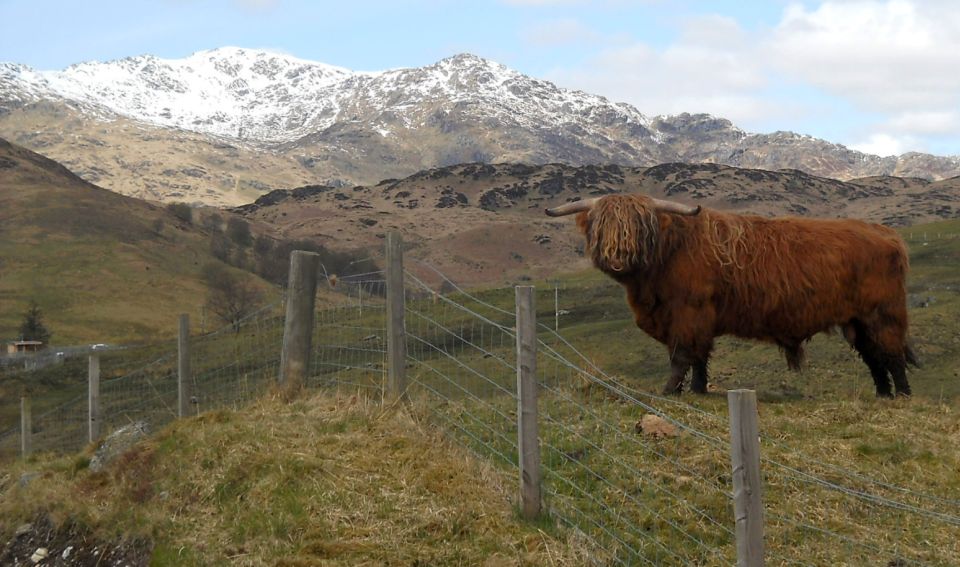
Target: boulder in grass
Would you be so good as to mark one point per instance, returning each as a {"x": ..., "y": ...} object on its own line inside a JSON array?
[
  {"x": 656, "y": 426},
  {"x": 116, "y": 443}
]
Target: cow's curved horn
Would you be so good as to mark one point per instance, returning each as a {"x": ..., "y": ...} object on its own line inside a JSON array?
[
  {"x": 676, "y": 208},
  {"x": 574, "y": 207}
]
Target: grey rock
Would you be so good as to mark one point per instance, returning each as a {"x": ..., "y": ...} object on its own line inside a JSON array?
[
  {"x": 27, "y": 478},
  {"x": 116, "y": 443}
]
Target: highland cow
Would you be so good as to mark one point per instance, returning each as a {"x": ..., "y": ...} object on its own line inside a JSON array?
[{"x": 694, "y": 274}]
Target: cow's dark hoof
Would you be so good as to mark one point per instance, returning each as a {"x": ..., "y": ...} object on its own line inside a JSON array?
[
  {"x": 673, "y": 388},
  {"x": 885, "y": 395}
]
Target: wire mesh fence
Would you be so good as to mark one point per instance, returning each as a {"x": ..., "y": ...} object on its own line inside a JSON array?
[
  {"x": 147, "y": 395},
  {"x": 461, "y": 366},
  {"x": 656, "y": 492},
  {"x": 61, "y": 429},
  {"x": 236, "y": 364},
  {"x": 462, "y": 352},
  {"x": 9, "y": 443},
  {"x": 815, "y": 511},
  {"x": 349, "y": 338},
  {"x": 140, "y": 384}
]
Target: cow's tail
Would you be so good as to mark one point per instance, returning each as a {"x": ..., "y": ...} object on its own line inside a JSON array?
[{"x": 911, "y": 357}]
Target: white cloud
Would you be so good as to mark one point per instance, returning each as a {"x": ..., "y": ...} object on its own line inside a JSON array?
[
  {"x": 884, "y": 145},
  {"x": 888, "y": 56},
  {"x": 936, "y": 123},
  {"x": 558, "y": 32},
  {"x": 711, "y": 68}
]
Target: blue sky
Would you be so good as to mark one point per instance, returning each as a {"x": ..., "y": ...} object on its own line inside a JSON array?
[{"x": 878, "y": 75}]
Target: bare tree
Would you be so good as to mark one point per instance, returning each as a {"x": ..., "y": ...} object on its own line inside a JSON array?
[{"x": 229, "y": 296}]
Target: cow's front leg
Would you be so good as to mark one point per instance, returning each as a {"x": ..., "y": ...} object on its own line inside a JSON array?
[{"x": 680, "y": 361}]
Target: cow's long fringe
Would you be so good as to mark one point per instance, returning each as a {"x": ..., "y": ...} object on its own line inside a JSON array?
[{"x": 624, "y": 234}]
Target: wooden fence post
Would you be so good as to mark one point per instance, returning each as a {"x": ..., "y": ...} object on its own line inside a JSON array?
[
  {"x": 745, "y": 458},
  {"x": 527, "y": 435},
  {"x": 93, "y": 396},
  {"x": 396, "y": 330},
  {"x": 298, "y": 322},
  {"x": 184, "y": 379},
  {"x": 26, "y": 428}
]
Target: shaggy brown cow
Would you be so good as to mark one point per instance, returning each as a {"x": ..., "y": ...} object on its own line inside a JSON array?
[{"x": 693, "y": 275}]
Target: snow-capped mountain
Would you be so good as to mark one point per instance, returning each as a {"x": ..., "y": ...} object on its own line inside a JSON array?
[
  {"x": 227, "y": 92},
  {"x": 265, "y": 97},
  {"x": 198, "y": 127}
]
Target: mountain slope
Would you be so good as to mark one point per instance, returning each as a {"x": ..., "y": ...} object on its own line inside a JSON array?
[
  {"x": 485, "y": 222},
  {"x": 103, "y": 267},
  {"x": 285, "y": 121}
]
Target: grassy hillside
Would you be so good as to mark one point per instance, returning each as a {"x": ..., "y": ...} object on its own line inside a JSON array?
[
  {"x": 102, "y": 267},
  {"x": 323, "y": 481}
]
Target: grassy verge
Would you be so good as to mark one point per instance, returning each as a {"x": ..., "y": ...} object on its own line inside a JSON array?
[{"x": 330, "y": 480}]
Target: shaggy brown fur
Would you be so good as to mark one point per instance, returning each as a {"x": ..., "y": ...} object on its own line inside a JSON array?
[{"x": 781, "y": 280}]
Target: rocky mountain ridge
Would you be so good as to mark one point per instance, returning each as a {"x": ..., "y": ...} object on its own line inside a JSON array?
[{"x": 227, "y": 125}]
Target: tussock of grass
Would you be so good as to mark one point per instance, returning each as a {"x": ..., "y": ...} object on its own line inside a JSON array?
[{"x": 330, "y": 480}]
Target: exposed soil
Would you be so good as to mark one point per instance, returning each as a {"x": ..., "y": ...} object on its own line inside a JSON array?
[{"x": 70, "y": 545}]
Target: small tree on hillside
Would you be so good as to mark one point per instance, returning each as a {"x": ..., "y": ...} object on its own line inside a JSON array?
[
  {"x": 229, "y": 296},
  {"x": 32, "y": 327},
  {"x": 220, "y": 247},
  {"x": 239, "y": 231},
  {"x": 213, "y": 222},
  {"x": 182, "y": 211}
]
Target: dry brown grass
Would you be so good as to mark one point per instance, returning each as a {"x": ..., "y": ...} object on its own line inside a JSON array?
[{"x": 331, "y": 480}]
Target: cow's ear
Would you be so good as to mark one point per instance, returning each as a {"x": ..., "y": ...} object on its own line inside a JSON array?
[
  {"x": 583, "y": 221},
  {"x": 665, "y": 220}
]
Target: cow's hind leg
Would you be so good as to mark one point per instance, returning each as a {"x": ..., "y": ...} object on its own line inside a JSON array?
[
  {"x": 891, "y": 338},
  {"x": 898, "y": 369},
  {"x": 698, "y": 383},
  {"x": 856, "y": 333}
]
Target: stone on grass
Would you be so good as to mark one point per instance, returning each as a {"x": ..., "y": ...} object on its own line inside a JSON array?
[
  {"x": 116, "y": 443},
  {"x": 656, "y": 426}
]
